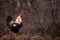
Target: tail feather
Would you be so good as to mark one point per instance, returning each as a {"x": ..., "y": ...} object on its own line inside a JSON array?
[{"x": 9, "y": 21}]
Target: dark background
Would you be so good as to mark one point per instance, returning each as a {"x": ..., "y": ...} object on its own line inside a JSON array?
[{"x": 41, "y": 16}]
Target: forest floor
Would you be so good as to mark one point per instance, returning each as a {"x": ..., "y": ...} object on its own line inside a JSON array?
[{"x": 27, "y": 37}]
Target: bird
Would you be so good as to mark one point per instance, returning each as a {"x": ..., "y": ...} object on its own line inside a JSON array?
[{"x": 14, "y": 26}]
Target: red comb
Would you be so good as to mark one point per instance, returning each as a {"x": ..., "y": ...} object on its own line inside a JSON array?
[{"x": 20, "y": 14}]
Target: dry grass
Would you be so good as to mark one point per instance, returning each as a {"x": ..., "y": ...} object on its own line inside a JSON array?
[{"x": 26, "y": 37}]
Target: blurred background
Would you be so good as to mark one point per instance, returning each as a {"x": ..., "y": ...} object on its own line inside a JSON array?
[{"x": 41, "y": 18}]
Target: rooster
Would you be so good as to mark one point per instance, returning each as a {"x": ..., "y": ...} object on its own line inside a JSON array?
[{"x": 14, "y": 26}]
